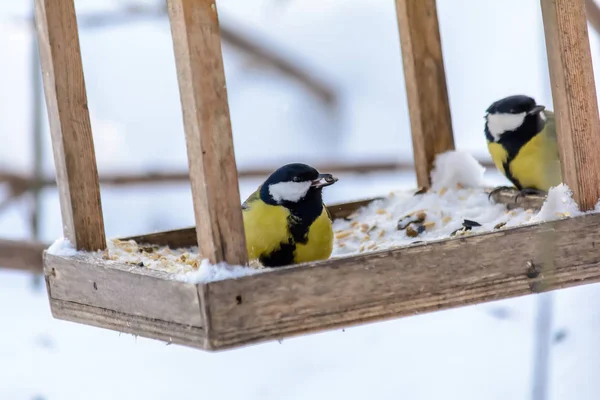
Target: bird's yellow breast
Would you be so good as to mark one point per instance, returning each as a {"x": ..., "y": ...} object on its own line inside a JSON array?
[
  {"x": 320, "y": 241},
  {"x": 536, "y": 165},
  {"x": 266, "y": 227}
]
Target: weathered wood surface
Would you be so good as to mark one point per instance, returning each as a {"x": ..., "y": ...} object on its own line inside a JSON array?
[
  {"x": 123, "y": 288},
  {"x": 140, "y": 326},
  {"x": 70, "y": 127},
  {"x": 211, "y": 159},
  {"x": 425, "y": 77},
  {"x": 187, "y": 237},
  {"x": 574, "y": 97},
  {"x": 401, "y": 282},
  {"x": 22, "y": 255}
]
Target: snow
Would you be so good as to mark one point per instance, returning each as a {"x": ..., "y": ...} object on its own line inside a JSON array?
[
  {"x": 62, "y": 247},
  {"x": 559, "y": 203},
  {"x": 457, "y": 197},
  {"x": 456, "y": 167}
]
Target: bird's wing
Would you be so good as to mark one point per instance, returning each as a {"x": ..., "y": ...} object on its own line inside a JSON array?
[{"x": 251, "y": 199}]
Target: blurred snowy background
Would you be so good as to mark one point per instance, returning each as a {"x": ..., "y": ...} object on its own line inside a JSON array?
[{"x": 491, "y": 49}]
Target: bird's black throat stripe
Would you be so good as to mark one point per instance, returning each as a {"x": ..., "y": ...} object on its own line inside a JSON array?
[
  {"x": 513, "y": 142},
  {"x": 302, "y": 215}
]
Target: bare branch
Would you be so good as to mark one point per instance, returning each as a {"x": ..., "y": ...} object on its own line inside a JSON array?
[{"x": 251, "y": 45}]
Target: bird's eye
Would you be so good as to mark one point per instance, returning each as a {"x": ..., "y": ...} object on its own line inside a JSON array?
[{"x": 296, "y": 179}]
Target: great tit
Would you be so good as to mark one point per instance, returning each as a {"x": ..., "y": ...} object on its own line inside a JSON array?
[
  {"x": 521, "y": 138},
  {"x": 285, "y": 220}
]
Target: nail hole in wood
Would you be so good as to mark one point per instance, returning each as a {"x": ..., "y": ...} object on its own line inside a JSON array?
[
  {"x": 238, "y": 299},
  {"x": 532, "y": 270}
]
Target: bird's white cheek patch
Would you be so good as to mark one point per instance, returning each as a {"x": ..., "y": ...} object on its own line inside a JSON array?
[
  {"x": 289, "y": 191},
  {"x": 500, "y": 123}
]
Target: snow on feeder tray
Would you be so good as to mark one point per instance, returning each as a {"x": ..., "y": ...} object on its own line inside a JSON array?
[{"x": 399, "y": 255}]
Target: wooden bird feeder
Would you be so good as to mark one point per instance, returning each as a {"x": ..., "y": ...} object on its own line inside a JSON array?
[{"x": 322, "y": 295}]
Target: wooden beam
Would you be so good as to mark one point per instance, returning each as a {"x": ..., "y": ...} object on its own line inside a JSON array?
[
  {"x": 22, "y": 255},
  {"x": 70, "y": 127},
  {"x": 332, "y": 294},
  {"x": 401, "y": 282},
  {"x": 111, "y": 285},
  {"x": 211, "y": 159},
  {"x": 425, "y": 77},
  {"x": 574, "y": 97}
]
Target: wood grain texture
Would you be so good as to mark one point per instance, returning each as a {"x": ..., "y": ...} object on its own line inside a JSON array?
[
  {"x": 425, "y": 77},
  {"x": 22, "y": 255},
  {"x": 186, "y": 237},
  {"x": 127, "y": 289},
  {"x": 70, "y": 127},
  {"x": 140, "y": 326},
  {"x": 402, "y": 282},
  {"x": 211, "y": 159},
  {"x": 574, "y": 97}
]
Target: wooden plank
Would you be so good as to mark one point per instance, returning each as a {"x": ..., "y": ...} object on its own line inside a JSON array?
[
  {"x": 123, "y": 288},
  {"x": 169, "y": 332},
  {"x": 211, "y": 159},
  {"x": 574, "y": 97},
  {"x": 186, "y": 237},
  {"x": 70, "y": 126},
  {"x": 425, "y": 77},
  {"x": 401, "y": 282},
  {"x": 22, "y": 255}
]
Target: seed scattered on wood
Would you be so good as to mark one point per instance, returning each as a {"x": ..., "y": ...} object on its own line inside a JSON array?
[
  {"x": 467, "y": 223},
  {"x": 343, "y": 234},
  {"x": 416, "y": 217},
  {"x": 414, "y": 230},
  {"x": 429, "y": 224},
  {"x": 499, "y": 225}
]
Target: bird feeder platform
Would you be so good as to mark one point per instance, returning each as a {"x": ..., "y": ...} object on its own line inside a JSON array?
[{"x": 318, "y": 296}]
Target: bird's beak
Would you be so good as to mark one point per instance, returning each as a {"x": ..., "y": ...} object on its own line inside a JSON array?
[
  {"x": 324, "y": 180},
  {"x": 536, "y": 110}
]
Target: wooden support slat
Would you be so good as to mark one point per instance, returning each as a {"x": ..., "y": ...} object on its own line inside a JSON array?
[
  {"x": 70, "y": 127},
  {"x": 425, "y": 77},
  {"x": 22, "y": 255},
  {"x": 574, "y": 97},
  {"x": 211, "y": 159}
]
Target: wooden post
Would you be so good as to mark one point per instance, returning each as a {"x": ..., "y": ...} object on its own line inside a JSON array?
[
  {"x": 574, "y": 97},
  {"x": 211, "y": 159},
  {"x": 425, "y": 77},
  {"x": 70, "y": 127}
]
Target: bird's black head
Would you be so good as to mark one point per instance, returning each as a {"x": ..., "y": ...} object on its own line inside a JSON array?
[
  {"x": 511, "y": 113},
  {"x": 293, "y": 184}
]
